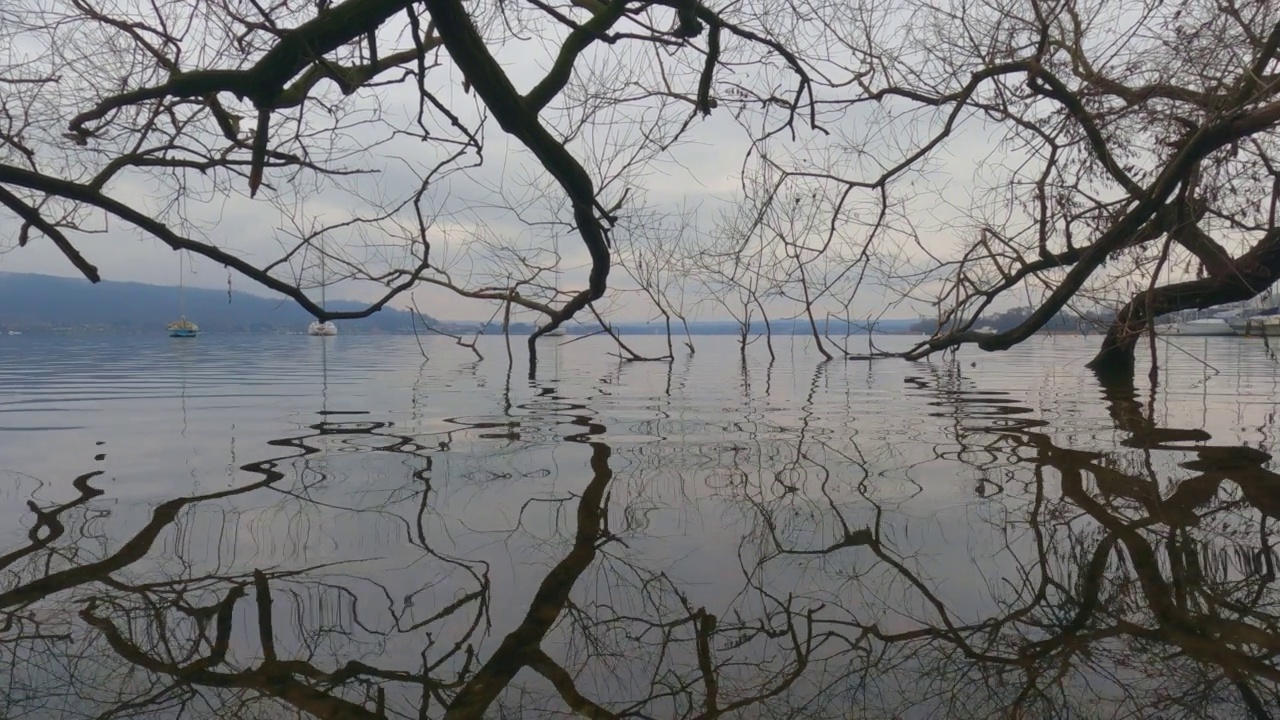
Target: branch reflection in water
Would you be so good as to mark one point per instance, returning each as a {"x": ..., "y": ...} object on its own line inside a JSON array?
[{"x": 1124, "y": 570}]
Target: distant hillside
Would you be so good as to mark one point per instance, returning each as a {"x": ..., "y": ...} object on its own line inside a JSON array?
[
  {"x": 34, "y": 303},
  {"x": 31, "y": 302}
]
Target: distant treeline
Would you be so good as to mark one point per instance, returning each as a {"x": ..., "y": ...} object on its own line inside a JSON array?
[
  {"x": 725, "y": 327},
  {"x": 1062, "y": 322}
]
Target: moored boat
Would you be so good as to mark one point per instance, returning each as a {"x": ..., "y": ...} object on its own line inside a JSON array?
[
  {"x": 1202, "y": 327},
  {"x": 1264, "y": 324},
  {"x": 182, "y": 327},
  {"x": 324, "y": 329}
]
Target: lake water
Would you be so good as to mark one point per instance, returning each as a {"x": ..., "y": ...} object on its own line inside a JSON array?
[{"x": 263, "y": 527}]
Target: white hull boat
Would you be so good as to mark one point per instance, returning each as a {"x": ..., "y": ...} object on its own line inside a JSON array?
[
  {"x": 182, "y": 327},
  {"x": 322, "y": 329},
  {"x": 1204, "y": 327},
  {"x": 1257, "y": 326},
  {"x": 325, "y": 328}
]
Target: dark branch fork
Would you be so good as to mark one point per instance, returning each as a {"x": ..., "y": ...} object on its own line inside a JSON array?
[{"x": 519, "y": 114}]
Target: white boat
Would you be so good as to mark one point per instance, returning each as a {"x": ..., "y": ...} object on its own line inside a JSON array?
[
  {"x": 317, "y": 327},
  {"x": 986, "y": 329},
  {"x": 182, "y": 327},
  {"x": 324, "y": 329},
  {"x": 1205, "y": 327},
  {"x": 1256, "y": 325}
]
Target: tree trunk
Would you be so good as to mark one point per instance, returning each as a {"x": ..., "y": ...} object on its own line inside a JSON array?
[
  {"x": 1245, "y": 278},
  {"x": 1114, "y": 363}
]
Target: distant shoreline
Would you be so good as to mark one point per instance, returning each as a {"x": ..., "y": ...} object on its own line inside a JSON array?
[{"x": 628, "y": 331}]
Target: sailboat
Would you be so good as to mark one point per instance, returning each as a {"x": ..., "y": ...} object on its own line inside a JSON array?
[
  {"x": 325, "y": 328},
  {"x": 182, "y": 327}
]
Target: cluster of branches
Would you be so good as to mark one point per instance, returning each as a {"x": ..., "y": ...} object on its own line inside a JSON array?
[
  {"x": 169, "y": 118},
  {"x": 1126, "y": 157},
  {"x": 1125, "y": 166},
  {"x": 1126, "y": 154}
]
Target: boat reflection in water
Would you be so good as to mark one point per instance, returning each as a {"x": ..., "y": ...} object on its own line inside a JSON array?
[{"x": 1134, "y": 581}]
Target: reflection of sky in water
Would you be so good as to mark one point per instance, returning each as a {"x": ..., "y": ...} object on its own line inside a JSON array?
[{"x": 910, "y": 518}]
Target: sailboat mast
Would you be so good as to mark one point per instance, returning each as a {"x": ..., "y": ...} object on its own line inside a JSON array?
[
  {"x": 182, "y": 286},
  {"x": 323, "y": 280}
]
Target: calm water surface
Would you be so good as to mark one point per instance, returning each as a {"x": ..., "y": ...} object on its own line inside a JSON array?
[{"x": 272, "y": 527}]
